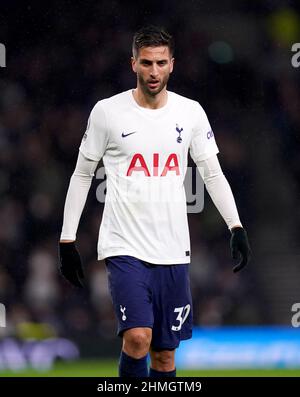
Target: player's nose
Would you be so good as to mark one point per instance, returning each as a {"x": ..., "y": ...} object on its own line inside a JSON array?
[{"x": 154, "y": 71}]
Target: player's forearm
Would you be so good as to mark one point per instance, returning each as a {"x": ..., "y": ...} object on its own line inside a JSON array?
[
  {"x": 76, "y": 197},
  {"x": 75, "y": 201},
  {"x": 221, "y": 195},
  {"x": 219, "y": 191}
]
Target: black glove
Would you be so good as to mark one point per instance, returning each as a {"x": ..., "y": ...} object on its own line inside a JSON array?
[
  {"x": 70, "y": 264},
  {"x": 240, "y": 247}
]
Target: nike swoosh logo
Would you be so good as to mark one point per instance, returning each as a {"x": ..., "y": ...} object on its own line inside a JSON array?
[{"x": 130, "y": 133}]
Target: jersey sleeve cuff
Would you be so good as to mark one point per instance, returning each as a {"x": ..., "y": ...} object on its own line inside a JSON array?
[{"x": 67, "y": 236}]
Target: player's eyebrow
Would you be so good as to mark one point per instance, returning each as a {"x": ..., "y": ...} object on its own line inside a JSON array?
[{"x": 145, "y": 60}]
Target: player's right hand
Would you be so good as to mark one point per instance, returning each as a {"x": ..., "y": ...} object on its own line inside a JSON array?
[{"x": 70, "y": 263}]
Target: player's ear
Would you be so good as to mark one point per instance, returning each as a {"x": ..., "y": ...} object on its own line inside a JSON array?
[
  {"x": 133, "y": 64},
  {"x": 172, "y": 64}
]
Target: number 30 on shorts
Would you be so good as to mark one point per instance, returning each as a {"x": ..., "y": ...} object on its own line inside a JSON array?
[{"x": 183, "y": 313}]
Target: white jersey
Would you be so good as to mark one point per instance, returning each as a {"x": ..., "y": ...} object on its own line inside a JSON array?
[{"x": 145, "y": 157}]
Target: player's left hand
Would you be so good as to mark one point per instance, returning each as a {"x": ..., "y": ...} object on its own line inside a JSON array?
[
  {"x": 70, "y": 264},
  {"x": 240, "y": 247}
]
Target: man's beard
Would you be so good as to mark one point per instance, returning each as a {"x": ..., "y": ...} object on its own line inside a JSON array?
[{"x": 146, "y": 90}]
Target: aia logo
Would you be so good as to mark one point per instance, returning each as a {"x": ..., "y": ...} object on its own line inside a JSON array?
[{"x": 138, "y": 164}]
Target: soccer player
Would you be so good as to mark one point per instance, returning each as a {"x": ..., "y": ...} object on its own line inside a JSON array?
[{"x": 143, "y": 136}]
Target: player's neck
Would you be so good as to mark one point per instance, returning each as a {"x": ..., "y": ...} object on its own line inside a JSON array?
[{"x": 150, "y": 102}]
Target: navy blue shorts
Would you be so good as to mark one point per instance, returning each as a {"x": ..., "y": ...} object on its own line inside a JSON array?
[{"x": 154, "y": 296}]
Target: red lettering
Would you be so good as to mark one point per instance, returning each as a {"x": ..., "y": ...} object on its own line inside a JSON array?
[
  {"x": 155, "y": 164},
  {"x": 169, "y": 167},
  {"x": 142, "y": 167},
  {"x": 138, "y": 163}
]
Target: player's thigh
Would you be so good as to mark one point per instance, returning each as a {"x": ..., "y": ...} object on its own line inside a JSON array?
[
  {"x": 128, "y": 281},
  {"x": 172, "y": 307}
]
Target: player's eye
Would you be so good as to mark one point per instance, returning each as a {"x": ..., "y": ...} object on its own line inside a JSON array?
[{"x": 147, "y": 63}]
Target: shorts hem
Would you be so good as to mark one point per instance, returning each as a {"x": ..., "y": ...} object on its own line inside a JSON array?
[
  {"x": 121, "y": 330},
  {"x": 168, "y": 347}
]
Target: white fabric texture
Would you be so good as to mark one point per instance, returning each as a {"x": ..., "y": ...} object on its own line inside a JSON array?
[
  {"x": 145, "y": 152},
  {"x": 76, "y": 197},
  {"x": 219, "y": 190}
]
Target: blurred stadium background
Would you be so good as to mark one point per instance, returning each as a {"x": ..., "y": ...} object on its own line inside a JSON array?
[{"x": 234, "y": 58}]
